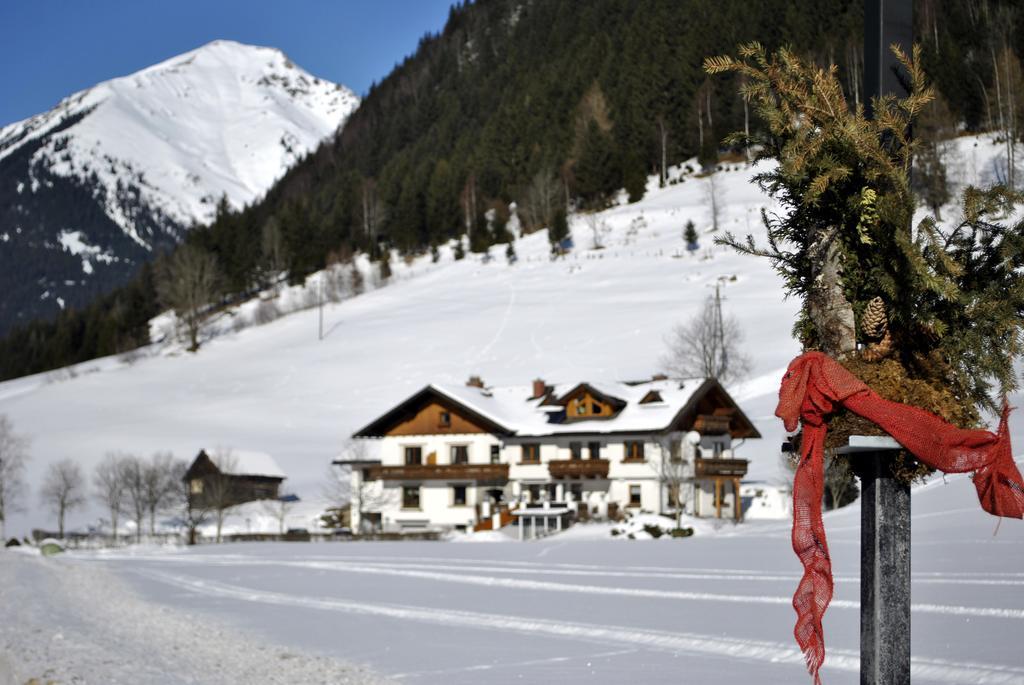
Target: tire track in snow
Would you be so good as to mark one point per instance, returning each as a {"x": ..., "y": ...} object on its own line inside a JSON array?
[
  {"x": 513, "y": 664},
  {"x": 756, "y": 650},
  {"x": 566, "y": 588},
  {"x": 533, "y": 568}
]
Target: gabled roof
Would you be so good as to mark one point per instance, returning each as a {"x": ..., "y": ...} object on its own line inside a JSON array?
[
  {"x": 601, "y": 395},
  {"x": 241, "y": 463},
  {"x": 382, "y": 424},
  {"x": 513, "y": 411}
]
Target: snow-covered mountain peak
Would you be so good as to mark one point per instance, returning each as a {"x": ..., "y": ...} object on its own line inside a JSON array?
[
  {"x": 223, "y": 119},
  {"x": 130, "y": 163}
]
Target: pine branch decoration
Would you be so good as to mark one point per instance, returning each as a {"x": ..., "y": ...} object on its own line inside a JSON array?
[{"x": 953, "y": 294}]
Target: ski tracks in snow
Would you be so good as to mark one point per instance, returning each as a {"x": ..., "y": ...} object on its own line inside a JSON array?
[{"x": 938, "y": 670}]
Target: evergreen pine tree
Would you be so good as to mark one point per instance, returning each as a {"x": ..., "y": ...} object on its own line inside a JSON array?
[
  {"x": 558, "y": 232},
  {"x": 690, "y": 236}
]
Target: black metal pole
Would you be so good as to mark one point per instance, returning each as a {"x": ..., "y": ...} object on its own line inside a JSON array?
[
  {"x": 885, "y": 502},
  {"x": 884, "y": 569}
]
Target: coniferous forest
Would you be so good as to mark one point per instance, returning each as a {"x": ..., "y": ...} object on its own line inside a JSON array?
[{"x": 547, "y": 104}]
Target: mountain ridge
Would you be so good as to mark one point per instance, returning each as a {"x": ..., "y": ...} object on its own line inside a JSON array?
[{"x": 119, "y": 171}]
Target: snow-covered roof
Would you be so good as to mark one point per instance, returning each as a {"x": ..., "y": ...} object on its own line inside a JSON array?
[
  {"x": 517, "y": 412},
  {"x": 246, "y": 463},
  {"x": 511, "y": 407}
]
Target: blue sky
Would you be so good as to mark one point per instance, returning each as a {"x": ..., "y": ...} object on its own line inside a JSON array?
[{"x": 52, "y": 48}]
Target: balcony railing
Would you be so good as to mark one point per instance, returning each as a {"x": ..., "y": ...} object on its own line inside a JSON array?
[
  {"x": 484, "y": 472},
  {"x": 579, "y": 468},
  {"x": 720, "y": 467}
]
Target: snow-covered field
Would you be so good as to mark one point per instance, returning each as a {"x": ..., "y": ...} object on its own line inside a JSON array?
[
  {"x": 708, "y": 609},
  {"x": 596, "y": 314}
]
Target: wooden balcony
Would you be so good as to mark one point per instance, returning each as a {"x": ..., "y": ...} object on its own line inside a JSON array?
[
  {"x": 478, "y": 472},
  {"x": 578, "y": 468},
  {"x": 720, "y": 467},
  {"x": 710, "y": 424}
]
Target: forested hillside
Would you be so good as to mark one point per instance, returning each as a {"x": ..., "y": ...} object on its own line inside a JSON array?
[{"x": 552, "y": 105}]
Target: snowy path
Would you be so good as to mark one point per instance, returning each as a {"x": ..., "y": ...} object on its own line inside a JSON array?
[
  {"x": 713, "y": 608},
  {"x": 62, "y": 621}
]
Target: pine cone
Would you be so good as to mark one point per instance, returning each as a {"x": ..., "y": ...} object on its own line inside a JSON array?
[
  {"x": 876, "y": 352},
  {"x": 874, "y": 323}
]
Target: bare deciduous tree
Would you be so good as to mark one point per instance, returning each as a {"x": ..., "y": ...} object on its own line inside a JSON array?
[
  {"x": 194, "y": 512},
  {"x": 13, "y": 454},
  {"x": 708, "y": 346},
  {"x": 219, "y": 488},
  {"x": 187, "y": 282},
  {"x": 63, "y": 490},
  {"x": 273, "y": 249},
  {"x": 280, "y": 508},
  {"x": 673, "y": 470},
  {"x": 134, "y": 474},
  {"x": 713, "y": 197},
  {"x": 663, "y": 146},
  {"x": 109, "y": 482},
  {"x": 368, "y": 497},
  {"x": 158, "y": 486},
  {"x": 543, "y": 198},
  {"x": 840, "y": 486},
  {"x": 598, "y": 230}
]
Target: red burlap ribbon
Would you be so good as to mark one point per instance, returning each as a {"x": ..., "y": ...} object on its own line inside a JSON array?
[{"x": 813, "y": 385}]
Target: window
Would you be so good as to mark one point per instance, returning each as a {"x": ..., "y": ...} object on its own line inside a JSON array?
[
  {"x": 413, "y": 456},
  {"x": 444, "y": 419},
  {"x": 531, "y": 453},
  {"x": 410, "y": 497},
  {"x": 460, "y": 454},
  {"x": 575, "y": 450},
  {"x": 576, "y": 490},
  {"x": 634, "y": 451},
  {"x": 595, "y": 450},
  {"x": 459, "y": 495},
  {"x": 634, "y": 495},
  {"x": 534, "y": 491},
  {"x": 495, "y": 454},
  {"x": 195, "y": 486},
  {"x": 581, "y": 408}
]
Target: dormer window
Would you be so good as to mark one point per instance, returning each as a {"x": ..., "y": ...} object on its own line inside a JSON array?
[{"x": 652, "y": 397}]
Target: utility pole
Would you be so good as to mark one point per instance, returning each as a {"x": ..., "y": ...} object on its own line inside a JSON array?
[
  {"x": 320, "y": 306},
  {"x": 723, "y": 354},
  {"x": 885, "y": 502}
]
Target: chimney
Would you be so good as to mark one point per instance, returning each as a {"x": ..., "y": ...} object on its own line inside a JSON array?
[
  {"x": 539, "y": 388},
  {"x": 475, "y": 382},
  {"x": 659, "y": 377}
]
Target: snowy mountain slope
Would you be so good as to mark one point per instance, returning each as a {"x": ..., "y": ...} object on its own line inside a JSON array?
[
  {"x": 95, "y": 185},
  {"x": 597, "y": 314}
]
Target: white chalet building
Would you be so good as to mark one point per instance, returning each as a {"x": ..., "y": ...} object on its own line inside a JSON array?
[{"x": 476, "y": 457}]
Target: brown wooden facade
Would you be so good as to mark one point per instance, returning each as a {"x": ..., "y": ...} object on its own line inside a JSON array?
[
  {"x": 208, "y": 487},
  {"x": 437, "y": 418}
]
